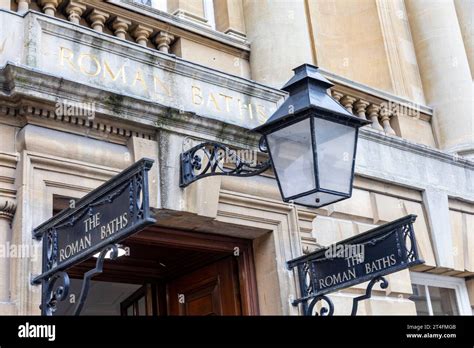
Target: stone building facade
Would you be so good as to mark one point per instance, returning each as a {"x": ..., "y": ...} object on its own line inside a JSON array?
[{"x": 150, "y": 78}]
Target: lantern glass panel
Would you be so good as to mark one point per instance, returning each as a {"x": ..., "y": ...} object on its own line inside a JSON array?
[
  {"x": 317, "y": 199},
  {"x": 335, "y": 146},
  {"x": 292, "y": 156}
]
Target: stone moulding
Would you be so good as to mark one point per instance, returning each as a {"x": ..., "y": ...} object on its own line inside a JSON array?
[
  {"x": 88, "y": 38},
  {"x": 149, "y": 116}
]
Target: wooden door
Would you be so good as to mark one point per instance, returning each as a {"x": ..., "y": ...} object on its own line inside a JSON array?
[
  {"x": 210, "y": 290},
  {"x": 139, "y": 303}
]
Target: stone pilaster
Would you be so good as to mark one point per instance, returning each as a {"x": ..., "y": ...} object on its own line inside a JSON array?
[
  {"x": 7, "y": 211},
  {"x": 445, "y": 72},
  {"x": 465, "y": 10},
  {"x": 190, "y": 10},
  {"x": 229, "y": 16},
  {"x": 403, "y": 67}
]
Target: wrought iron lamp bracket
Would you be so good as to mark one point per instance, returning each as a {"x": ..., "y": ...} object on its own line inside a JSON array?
[{"x": 209, "y": 158}]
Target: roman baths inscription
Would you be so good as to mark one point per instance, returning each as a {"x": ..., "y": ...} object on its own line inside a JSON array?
[
  {"x": 93, "y": 225},
  {"x": 383, "y": 250},
  {"x": 351, "y": 273},
  {"x": 164, "y": 87},
  {"x": 97, "y": 222}
]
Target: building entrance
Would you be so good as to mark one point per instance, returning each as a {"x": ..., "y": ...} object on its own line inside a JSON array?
[{"x": 170, "y": 272}]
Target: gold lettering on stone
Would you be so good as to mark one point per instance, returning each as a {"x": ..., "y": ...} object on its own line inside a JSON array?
[
  {"x": 160, "y": 85},
  {"x": 227, "y": 99},
  {"x": 93, "y": 61},
  {"x": 114, "y": 76},
  {"x": 139, "y": 77},
  {"x": 68, "y": 58},
  {"x": 196, "y": 95},
  {"x": 213, "y": 100}
]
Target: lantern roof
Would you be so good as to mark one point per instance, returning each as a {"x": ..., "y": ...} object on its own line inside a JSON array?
[{"x": 308, "y": 89}]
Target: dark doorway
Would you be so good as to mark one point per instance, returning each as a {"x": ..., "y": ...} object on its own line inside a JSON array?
[{"x": 169, "y": 272}]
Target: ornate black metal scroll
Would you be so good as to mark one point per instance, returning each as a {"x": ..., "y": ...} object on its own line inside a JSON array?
[
  {"x": 105, "y": 216},
  {"x": 99, "y": 266},
  {"x": 324, "y": 311},
  {"x": 209, "y": 158},
  {"x": 50, "y": 295},
  {"x": 383, "y": 250},
  {"x": 368, "y": 292}
]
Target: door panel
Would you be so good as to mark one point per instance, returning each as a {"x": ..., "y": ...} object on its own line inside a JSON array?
[
  {"x": 210, "y": 290},
  {"x": 139, "y": 303}
]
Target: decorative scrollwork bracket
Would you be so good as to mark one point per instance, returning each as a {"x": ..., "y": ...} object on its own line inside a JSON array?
[
  {"x": 366, "y": 257},
  {"x": 52, "y": 295},
  {"x": 210, "y": 158},
  {"x": 368, "y": 292}
]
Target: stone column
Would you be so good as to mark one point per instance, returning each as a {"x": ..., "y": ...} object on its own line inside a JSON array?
[
  {"x": 229, "y": 16},
  {"x": 385, "y": 115},
  {"x": 7, "y": 211},
  {"x": 23, "y": 5},
  {"x": 360, "y": 108},
  {"x": 191, "y": 10},
  {"x": 404, "y": 72},
  {"x": 373, "y": 112},
  {"x": 98, "y": 19},
  {"x": 141, "y": 34},
  {"x": 465, "y": 12},
  {"x": 348, "y": 102},
  {"x": 74, "y": 11},
  {"x": 445, "y": 72},
  {"x": 280, "y": 39},
  {"x": 49, "y": 6},
  {"x": 120, "y": 27},
  {"x": 336, "y": 95},
  {"x": 163, "y": 41}
]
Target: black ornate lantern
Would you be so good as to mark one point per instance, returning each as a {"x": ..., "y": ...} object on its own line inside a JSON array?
[{"x": 312, "y": 141}]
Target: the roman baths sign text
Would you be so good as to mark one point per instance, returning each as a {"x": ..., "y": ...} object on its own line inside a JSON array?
[
  {"x": 105, "y": 216},
  {"x": 383, "y": 250}
]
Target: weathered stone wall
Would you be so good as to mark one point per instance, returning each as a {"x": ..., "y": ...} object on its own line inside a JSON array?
[{"x": 151, "y": 104}]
